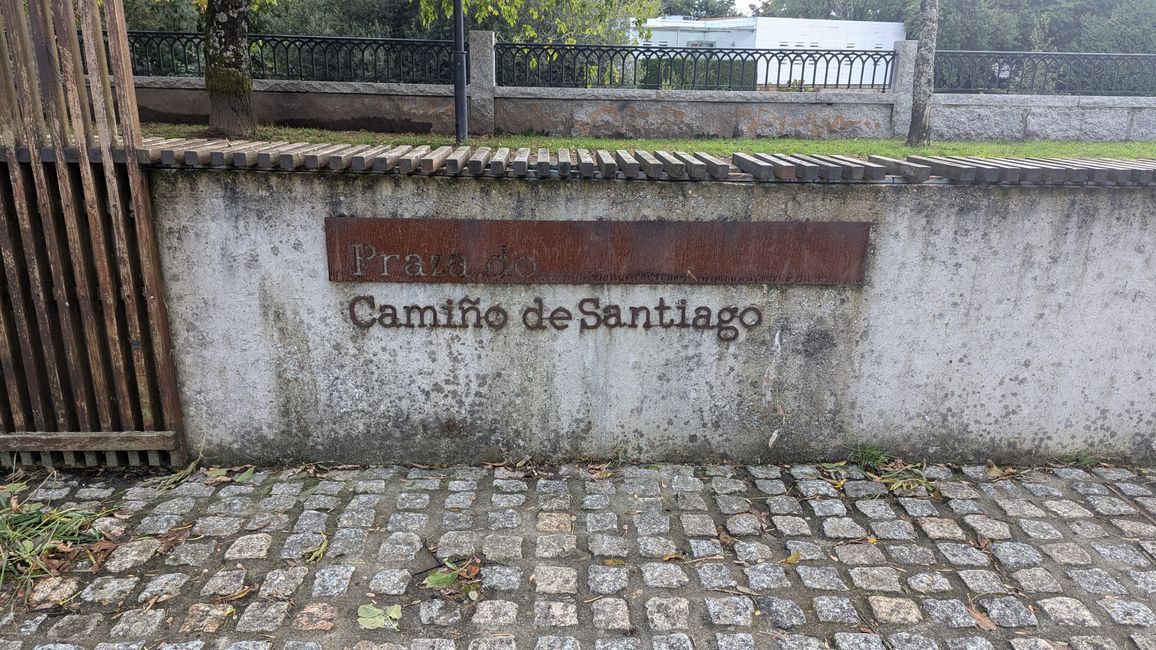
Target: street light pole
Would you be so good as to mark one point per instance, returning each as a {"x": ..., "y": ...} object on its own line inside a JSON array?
[{"x": 461, "y": 112}]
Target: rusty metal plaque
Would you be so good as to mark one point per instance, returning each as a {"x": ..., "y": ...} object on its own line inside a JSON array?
[{"x": 595, "y": 252}]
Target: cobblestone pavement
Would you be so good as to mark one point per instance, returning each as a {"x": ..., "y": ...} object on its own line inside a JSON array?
[{"x": 664, "y": 557}]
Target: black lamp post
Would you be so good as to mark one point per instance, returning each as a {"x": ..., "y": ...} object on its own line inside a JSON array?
[{"x": 461, "y": 112}]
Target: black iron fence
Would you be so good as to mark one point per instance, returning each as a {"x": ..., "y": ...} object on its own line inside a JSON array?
[
  {"x": 689, "y": 68},
  {"x": 385, "y": 60},
  {"x": 1045, "y": 73},
  {"x": 311, "y": 58}
]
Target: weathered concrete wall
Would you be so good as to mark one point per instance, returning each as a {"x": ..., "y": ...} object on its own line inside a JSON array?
[
  {"x": 995, "y": 322},
  {"x": 415, "y": 108},
  {"x": 1043, "y": 117},
  {"x": 399, "y": 108},
  {"x": 692, "y": 114}
]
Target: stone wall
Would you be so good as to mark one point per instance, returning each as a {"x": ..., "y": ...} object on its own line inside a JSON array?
[
  {"x": 1043, "y": 117},
  {"x": 995, "y": 321},
  {"x": 595, "y": 112}
]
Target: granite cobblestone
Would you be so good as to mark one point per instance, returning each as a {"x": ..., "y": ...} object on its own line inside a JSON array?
[{"x": 664, "y": 557}]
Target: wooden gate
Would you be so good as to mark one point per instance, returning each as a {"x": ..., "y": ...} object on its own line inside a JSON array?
[{"x": 85, "y": 354}]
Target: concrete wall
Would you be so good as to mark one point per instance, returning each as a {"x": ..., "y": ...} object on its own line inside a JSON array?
[
  {"x": 691, "y": 114},
  {"x": 400, "y": 108},
  {"x": 995, "y": 322},
  {"x": 1043, "y": 117}
]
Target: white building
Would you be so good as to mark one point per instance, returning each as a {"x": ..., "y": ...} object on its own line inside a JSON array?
[{"x": 795, "y": 34}]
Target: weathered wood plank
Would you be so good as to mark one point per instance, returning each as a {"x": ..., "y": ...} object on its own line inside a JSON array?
[
  {"x": 341, "y": 159},
  {"x": 224, "y": 157},
  {"x": 606, "y": 165},
  {"x": 564, "y": 163},
  {"x": 988, "y": 170},
  {"x": 649, "y": 165},
  {"x": 871, "y": 171},
  {"x": 150, "y": 153},
  {"x": 201, "y": 154},
  {"x": 671, "y": 164},
  {"x": 479, "y": 161},
  {"x": 68, "y": 120},
  {"x": 268, "y": 158},
  {"x": 173, "y": 153},
  {"x": 828, "y": 171},
  {"x": 388, "y": 160},
  {"x": 784, "y": 169},
  {"x": 499, "y": 161},
  {"x": 759, "y": 169},
  {"x": 585, "y": 163},
  {"x": 16, "y": 339},
  {"x": 318, "y": 158},
  {"x": 157, "y": 344},
  {"x": 456, "y": 161},
  {"x": 85, "y": 441},
  {"x": 695, "y": 168},
  {"x": 362, "y": 161},
  {"x": 48, "y": 279},
  {"x": 1054, "y": 174},
  {"x": 250, "y": 157},
  {"x": 521, "y": 163},
  {"x": 805, "y": 170},
  {"x": 945, "y": 168},
  {"x": 411, "y": 162},
  {"x": 433, "y": 161},
  {"x": 627, "y": 163},
  {"x": 855, "y": 170},
  {"x": 542, "y": 166},
  {"x": 910, "y": 171},
  {"x": 717, "y": 168}
]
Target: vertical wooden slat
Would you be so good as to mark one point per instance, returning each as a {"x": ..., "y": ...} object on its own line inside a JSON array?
[
  {"x": 25, "y": 119},
  {"x": 16, "y": 419},
  {"x": 146, "y": 236},
  {"x": 78, "y": 107},
  {"x": 91, "y": 383},
  {"x": 28, "y": 376},
  {"x": 118, "y": 213},
  {"x": 84, "y": 332}
]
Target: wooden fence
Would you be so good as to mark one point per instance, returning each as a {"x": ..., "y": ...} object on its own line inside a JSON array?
[{"x": 85, "y": 355}]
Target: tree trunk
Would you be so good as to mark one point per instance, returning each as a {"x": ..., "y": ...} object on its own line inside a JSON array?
[
  {"x": 227, "y": 69},
  {"x": 919, "y": 133}
]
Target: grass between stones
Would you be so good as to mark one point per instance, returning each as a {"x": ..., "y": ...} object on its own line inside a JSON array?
[
  {"x": 38, "y": 541},
  {"x": 716, "y": 146}
]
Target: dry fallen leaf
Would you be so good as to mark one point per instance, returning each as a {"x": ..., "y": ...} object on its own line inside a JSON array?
[{"x": 982, "y": 620}]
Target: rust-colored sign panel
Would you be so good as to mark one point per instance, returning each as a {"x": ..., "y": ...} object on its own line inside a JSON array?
[{"x": 595, "y": 252}]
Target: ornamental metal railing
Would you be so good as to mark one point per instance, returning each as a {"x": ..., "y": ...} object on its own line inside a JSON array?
[
  {"x": 1045, "y": 73},
  {"x": 306, "y": 58},
  {"x": 689, "y": 68}
]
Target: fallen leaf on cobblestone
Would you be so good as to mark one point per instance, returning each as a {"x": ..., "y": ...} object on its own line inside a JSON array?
[
  {"x": 369, "y": 617},
  {"x": 236, "y": 595},
  {"x": 314, "y": 554},
  {"x": 982, "y": 620},
  {"x": 172, "y": 538},
  {"x": 793, "y": 558},
  {"x": 440, "y": 579},
  {"x": 996, "y": 473}
]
